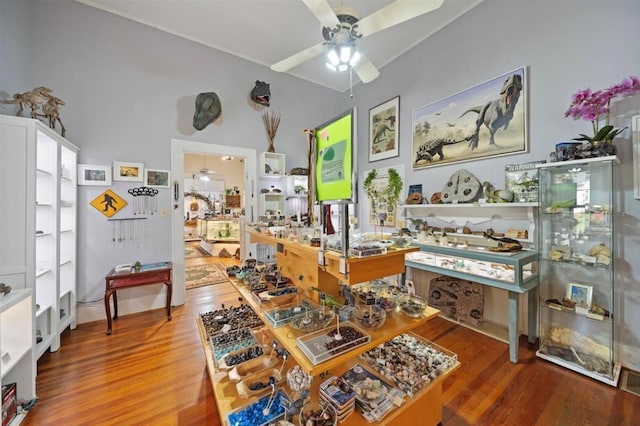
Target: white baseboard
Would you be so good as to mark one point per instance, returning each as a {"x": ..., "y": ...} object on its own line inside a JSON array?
[{"x": 95, "y": 311}]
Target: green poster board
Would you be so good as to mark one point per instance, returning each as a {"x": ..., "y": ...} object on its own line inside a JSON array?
[{"x": 334, "y": 166}]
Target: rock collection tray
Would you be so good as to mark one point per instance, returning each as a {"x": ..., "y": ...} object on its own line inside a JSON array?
[{"x": 322, "y": 344}]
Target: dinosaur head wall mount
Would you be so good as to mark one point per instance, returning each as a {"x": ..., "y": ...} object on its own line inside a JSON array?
[
  {"x": 208, "y": 110},
  {"x": 261, "y": 93}
]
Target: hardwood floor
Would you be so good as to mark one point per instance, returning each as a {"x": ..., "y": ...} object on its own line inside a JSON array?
[{"x": 152, "y": 371}]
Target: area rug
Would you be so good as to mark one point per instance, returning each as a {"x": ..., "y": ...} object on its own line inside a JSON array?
[
  {"x": 193, "y": 251},
  {"x": 202, "y": 275}
]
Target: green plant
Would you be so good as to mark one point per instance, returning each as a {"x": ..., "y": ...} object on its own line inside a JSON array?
[{"x": 390, "y": 194}]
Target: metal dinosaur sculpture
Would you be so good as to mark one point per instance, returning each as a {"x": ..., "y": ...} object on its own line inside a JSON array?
[{"x": 497, "y": 113}]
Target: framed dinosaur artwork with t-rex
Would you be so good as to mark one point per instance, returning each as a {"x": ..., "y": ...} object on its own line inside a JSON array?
[{"x": 486, "y": 120}]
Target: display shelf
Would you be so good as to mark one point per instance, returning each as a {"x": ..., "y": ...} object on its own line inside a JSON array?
[
  {"x": 303, "y": 260},
  {"x": 43, "y": 165},
  {"x": 577, "y": 267},
  {"x": 426, "y": 403},
  {"x": 271, "y": 203},
  {"x": 271, "y": 165},
  {"x": 515, "y": 272},
  {"x": 17, "y": 358}
]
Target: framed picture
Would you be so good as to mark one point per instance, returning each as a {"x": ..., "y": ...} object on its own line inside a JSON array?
[
  {"x": 157, "y": 178},
  {"x": 635, "y": 135},
  {"x": 487, "y": 120},
  {"x": 580, "y": 294},
  {"x": 130, "y": 172},
  {"x": 89, "y": 174},
  {"x": 380, "y": 214},
  {"x": 383, "y": 130}
]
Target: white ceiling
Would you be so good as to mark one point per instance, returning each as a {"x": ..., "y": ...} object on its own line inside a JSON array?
[{"x": 267, "y": 31}]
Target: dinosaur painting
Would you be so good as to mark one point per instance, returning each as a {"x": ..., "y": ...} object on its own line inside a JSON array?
[
  {"x": 497, "y": 113},
  {"x": 383, "y": 130},
  {"x": 486, "y": 120}
]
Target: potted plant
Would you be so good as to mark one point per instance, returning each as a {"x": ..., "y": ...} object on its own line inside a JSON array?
[
  {"x": 594, "y": 107},
  {"x": 137, "y": 267}
]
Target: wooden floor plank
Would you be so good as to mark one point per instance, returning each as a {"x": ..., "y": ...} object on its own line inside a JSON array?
[{"x": 152, "y": 371}]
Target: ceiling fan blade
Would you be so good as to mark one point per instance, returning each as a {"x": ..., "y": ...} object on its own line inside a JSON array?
[
  {"x": 323, "y": 11},
  {"x": 366, "y": 70},
  {"x": 298, "y": 58},
  {"x": 395, "y": 13}
]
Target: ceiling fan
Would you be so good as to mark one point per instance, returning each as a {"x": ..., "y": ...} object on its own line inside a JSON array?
[
  {"x": 343, "y": 27},
  {"x": 204, "y": 171}
]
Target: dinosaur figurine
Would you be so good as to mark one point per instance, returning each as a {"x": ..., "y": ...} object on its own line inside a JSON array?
[
  {"x": 498, "y": 113},
  {"x": 496, "y": 195}
]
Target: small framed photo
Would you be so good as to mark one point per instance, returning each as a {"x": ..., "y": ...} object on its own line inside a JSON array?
[
  {"x": 157, "y": 178},
  {"x": 383, "y": 130},
  {"x": 128, "y": 172},
  {"x": 580, "y": 294},
  {"x": 89, "y": 174}
]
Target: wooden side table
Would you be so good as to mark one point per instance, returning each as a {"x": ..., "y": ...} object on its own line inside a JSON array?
[{"x": 154, "y": 273}]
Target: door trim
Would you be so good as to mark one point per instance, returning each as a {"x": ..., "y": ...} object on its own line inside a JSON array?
[{"x": 179, "y": 147}]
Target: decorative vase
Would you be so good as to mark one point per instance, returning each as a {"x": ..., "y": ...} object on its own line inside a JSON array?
[
  {"x": 602, "y": 148},
  {"x": 272, "y": 147}
]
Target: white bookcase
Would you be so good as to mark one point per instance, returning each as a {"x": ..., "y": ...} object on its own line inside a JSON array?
[
  {"x": 41, "y": 223},
  {"x": 17, "y": 359}
]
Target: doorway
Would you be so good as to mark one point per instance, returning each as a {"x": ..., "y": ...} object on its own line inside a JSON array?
[{"x": 180, "y": 149}]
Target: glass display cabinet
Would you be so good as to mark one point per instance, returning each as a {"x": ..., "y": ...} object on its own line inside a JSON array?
[
  {"x": 577, "y": 209},
  {"x": 221, "y": 230}
]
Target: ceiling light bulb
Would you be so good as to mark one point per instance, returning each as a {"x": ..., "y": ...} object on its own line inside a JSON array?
[
  {"x": 343, "y": 67},
  {"x": 345, "y": 54},
  {"x": 330, "y": 66},
  {"x": 355, "y": 59},
  {"x": 333, "y": 57},
  {"x": 204, "y": 177}
]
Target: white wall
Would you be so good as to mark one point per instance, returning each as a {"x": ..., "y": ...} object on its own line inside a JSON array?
[{"x": 566, "y": 45}]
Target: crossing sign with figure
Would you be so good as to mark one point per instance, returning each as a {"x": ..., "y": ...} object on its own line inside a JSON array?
[{"x": 108, "y": 203}]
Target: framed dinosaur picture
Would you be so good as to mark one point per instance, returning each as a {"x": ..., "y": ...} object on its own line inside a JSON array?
[
  {"x": 486, "y": 120},
  {"x": 383, "y": 130}
]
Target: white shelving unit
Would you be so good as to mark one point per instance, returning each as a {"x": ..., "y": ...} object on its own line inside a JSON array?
[
  {"x": 271, "y": 170},
  {"x": 17, "y": 359},
  {"x": 41, "y": 223},
  {"x": 271, "y": 164}
]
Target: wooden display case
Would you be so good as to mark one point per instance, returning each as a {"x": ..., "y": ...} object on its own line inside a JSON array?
[{"x": 426, "y": 404}]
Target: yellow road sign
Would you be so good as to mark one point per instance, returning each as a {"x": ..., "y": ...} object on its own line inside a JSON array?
[{"x": 108, "y": 203}]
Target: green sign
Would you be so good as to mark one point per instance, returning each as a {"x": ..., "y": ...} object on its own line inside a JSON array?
[{"x": 334, "y": 172}]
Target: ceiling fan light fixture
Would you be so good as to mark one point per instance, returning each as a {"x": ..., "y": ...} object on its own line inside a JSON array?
[
  {"x": 333, "y": 57},
  {"x": 204, "y": 178},
  {"x": 345, "y": 54},
  {"x": 343, "y": 67}
]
